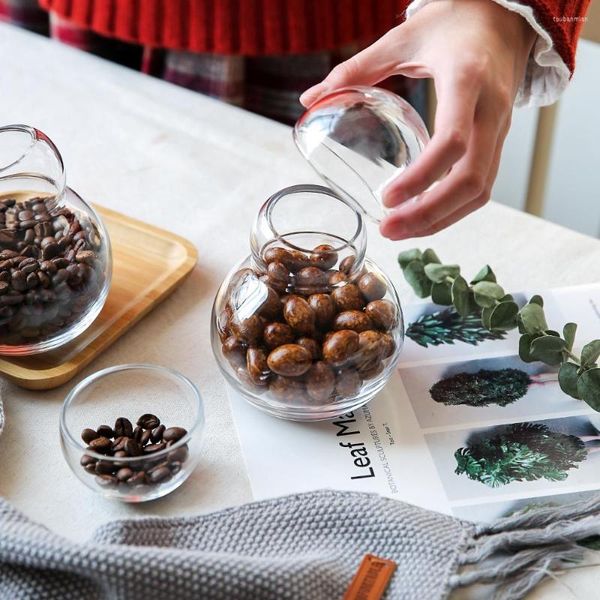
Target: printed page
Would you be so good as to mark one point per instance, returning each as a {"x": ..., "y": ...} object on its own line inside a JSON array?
[{"x": 464, "y": 426}]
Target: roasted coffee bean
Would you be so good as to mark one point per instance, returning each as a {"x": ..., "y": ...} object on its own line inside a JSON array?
[
  {"x": 106, "y": 481},
  {"x": 324, "y": 257},
  {"x": 104, "y": 467},
  {"x": 18, "y": 281},
  {"x": 234, "y": 350},
  {"x": 132, "y": 447},
  {"x": 277, "y": 334},
  {"x": 311, "y": 345},
  {"x": 148, "y": 421},
  {"x": 154, "y": 447},
  {"x": 120, "y": 454},
  {"x": 145, "y": 437},
  {"x": 85, "y": 256},
  {"x": 382, "y": 313},
  {"x": 292, "y": 259},
  {"x": 370, "y": 348},
  {"x": 279, "y": 276},
  {"x": 174, "y": 434},
  {"x": 137, "y": 433},
  {"x": 311, "y": 280},
  {"x": 86, "y": 460},
  {"x": 299, "y": 315},
  {"x": 124, "y": 473},
  {"x": 249, "y": 330},
  {"x": 179, "y": 454},
  {"x": 372, "y": 287},
  {"x": 356, "y": 320},
  {"x": 256, "y": 366},
  {"x": 119, "y": 443},
  {"x": 320, "y": 381},
  {"x": 324, "y": 309},
  {"x": 289, "y": 360},
  {"x": 347, "y": 297},
  {"x": 102, "y": 445},
  {"x": 159, "y": 474},
  {"x": 340, "y": 347},
  {"x": 123, "y": 427},
  {"x": 157, "y": 434},
  {"x": 175, "y": 467},
  {"x": 106, "y": 431},
  {"x": 347, "y": 264},
  {"x": 87, "y": 435},
  {"x": 137, "y": 479}
]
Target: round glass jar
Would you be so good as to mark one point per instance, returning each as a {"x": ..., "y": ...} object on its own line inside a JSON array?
[
  {"x": 55, "y": 260},
  {"x": 307, "y": 327}
]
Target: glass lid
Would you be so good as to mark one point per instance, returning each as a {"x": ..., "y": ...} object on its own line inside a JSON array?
[{"x": 358, "y": 139}]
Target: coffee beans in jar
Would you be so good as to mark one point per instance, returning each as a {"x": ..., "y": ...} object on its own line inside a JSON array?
[
  {"x": 52, "y": 267},
  {"x": 308, "y": 328},
  {"x": 142, "y": 443}
]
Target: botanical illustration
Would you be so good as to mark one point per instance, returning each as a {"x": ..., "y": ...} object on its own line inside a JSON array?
[
  {"x": 487, "y": 386},
  {"x": 522, "y": 452},
  {"x": 447, "y": 326}
]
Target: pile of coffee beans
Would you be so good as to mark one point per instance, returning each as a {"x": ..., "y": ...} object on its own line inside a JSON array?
[
  {"x": 126, "y": 441},
  {"x": 317, "y": 333},
  {"x": 50, "y": 270}
]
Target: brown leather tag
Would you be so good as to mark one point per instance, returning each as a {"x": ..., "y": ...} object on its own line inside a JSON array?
[{"x": 371, "y": 579}]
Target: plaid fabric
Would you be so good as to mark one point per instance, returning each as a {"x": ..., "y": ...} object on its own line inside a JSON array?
[{"x": 268, "y": 85}]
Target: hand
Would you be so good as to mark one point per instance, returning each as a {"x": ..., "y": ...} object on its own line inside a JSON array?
[{"x": 476, "y": 52}]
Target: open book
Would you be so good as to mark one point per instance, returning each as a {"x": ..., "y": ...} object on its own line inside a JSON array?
[{"x": 464, "y": 427}]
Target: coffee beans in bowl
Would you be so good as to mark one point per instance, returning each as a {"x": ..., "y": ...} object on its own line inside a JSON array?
[{"x": 145, "y": 450}]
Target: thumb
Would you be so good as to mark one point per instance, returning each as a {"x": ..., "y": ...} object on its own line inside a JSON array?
[{"x": 365, "y": 68}]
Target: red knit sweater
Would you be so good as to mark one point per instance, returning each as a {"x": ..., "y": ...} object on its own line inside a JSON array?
[{"x": 262, "y": 27}]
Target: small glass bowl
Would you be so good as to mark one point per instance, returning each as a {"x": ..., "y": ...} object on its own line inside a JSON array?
[{"x": 131, "y": 391}]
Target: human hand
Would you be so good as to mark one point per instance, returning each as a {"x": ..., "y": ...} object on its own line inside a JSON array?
[{"x": 476, "y": 52}]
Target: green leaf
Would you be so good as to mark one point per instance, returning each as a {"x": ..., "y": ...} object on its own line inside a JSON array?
[
  {"x": 441, "y": 294},
  {"x": 567, "y": 379},
  {"x": 588, "y": 387},
  {"x": 438, "y": 273},
  {"x": 414, "y": 274},
  {"x": 486, "y": 315},
  {"x": 525, "y": 347},
  {"x": 507, "y": 298},
  {"x": 590, "y": 354},
  {"x": 429, "y": 256},
  {"x": 503, "y": 316},
  {"x": 461, "y": 297},
  {"x": 569, "y": 331},
  {"x": 406, "y": 257},
  {"x": 532, "y": 319},
  {"x": 486, "y": 274},
  {"x": 537, "y": 299},
  {"x": 548, "y": 349}
]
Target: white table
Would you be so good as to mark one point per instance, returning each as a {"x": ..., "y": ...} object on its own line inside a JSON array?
[{"x": 201, "y": 169}]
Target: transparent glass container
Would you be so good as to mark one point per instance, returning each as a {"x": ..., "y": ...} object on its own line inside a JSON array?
[
  {"x": 55, "y": 260},
  {"x": 149, "y": 468},
  {"x": 307, "y": 327}
]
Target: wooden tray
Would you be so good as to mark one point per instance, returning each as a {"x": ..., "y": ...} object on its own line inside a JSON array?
[{"x": 148, "y": 264}]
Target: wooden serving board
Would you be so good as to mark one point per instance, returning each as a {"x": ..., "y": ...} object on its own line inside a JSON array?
[{"x": 148, "y": 264}]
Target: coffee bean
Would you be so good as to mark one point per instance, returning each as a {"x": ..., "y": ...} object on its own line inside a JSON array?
[
  {"x": 119, "y": 443},
  {"x": 145, "y": 437},
  {"x": 159, "y": 474},
  {"x": 106, "y": 481},
  {"x": 157, "y": 434},
  {"x": 137, "y": 479},
  {"x": 86, "y": 460},
  {"x": 100, "y": 444},
  {"x": 105, "y": 431},
  {"x": 87, "y": 435},
  {"x": 132, "y": 447},
  {"x": 120, "y": 454},
  {"x": 179, "y": 454},
  {"x": 124, "y": 474},
  {"x": 148, "y": 421},
  {"x": 173, "y": 434},
  {"x": 104, "y": 467},
  {"x": 123, "y": 427},
  {"x": 137, "y": 433},
  {"x": 154, "y": 448}
]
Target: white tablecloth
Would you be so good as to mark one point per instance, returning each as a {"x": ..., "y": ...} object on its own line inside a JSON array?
[{"x": 201, "y": 168}]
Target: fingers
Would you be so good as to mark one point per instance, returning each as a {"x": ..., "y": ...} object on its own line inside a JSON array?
[
  {"x": 365, "y": 68},
  {"x": 464, "y": 190},
  {"x": 454, "y": 119}
]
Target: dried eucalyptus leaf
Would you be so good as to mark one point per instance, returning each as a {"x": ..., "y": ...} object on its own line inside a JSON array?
[
  {"x": 537, "y": 299},
  {"x": 484, "y": 301},
  {"x": 504, "y": 316},
  {"x": 489, "y": 290},
  {"x": 590, "y": 353},
  {"x": 588, "y": 387},
  {"x": 525, "y": 347},
  {"x": 438, "y": 273},
  {"x": 507, "y": 298},
  {"x": 532, "y": 318},
  {"x": 486, "y": 315},
  {"x": 567, "y": 379},
  {"x": 569, "y": 331},
  {"x": 429, "y": 256},
  {"x": 548, "y": 349},
  {"x": 406, "y": 257},
  {"x": 486, "y": 274},
  {"x": 414, "y": 274},
  {"x": 441, "y": 293},
  {"x": 461, "y": 296}
]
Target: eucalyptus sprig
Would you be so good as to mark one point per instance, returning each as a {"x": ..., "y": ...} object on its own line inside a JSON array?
[{"x": 578, "y": 376}]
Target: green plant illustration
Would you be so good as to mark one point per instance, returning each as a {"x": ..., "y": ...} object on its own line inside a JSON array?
[
  {"x": 520, "y": 452},
  {"x": 486, "y": 386},
  {"x": 447, "y": 326}
]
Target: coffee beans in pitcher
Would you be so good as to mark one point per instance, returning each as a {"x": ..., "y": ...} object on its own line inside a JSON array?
[
  {"x": 50, "y": 271},
  {"x": 320, "y": 332},
  {"x": 142, "y": 441}
]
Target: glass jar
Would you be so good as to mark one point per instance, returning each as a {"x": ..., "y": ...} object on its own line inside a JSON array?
[
  {"x": 55, "y": 261},
  {"x": 307, "y": 327}
]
